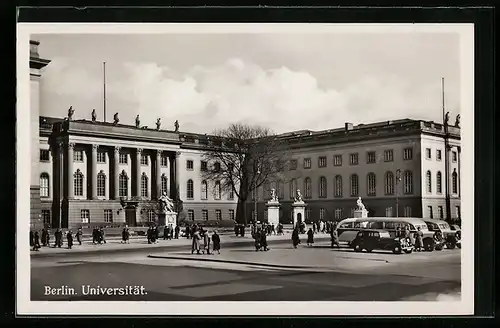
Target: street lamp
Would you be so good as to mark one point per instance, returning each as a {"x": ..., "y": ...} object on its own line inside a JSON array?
[{"x": 398, "y": 179}]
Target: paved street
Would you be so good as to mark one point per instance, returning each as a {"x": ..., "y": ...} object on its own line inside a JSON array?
[{"x": 241, "y": 274}]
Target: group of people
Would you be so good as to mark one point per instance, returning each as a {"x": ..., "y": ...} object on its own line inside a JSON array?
[
  {"x": 198, "y": 234},
  {"x": 35, "y": 238},
  {"x": 320, "y": 226},
  {"x": 259, "y": 234},
  {"x": 98, "y": 236}
]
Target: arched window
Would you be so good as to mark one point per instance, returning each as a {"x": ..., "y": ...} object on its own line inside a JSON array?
[
  {"x": 371, "y": 184},
  {"x": 322, "y": 187},
  {"x": 190, "y": 189},
  {"x": 438, "y": 182},
  {"x": 101, "y": 184},
  {"x": 144, "y": 185},
  {"x": 164, "y": 184},
  {"x": 454, "y": 182},
  {"x": 408, "y": 182},
  {"x": 293, "y": 188},
  {"x": 354, "y": 185},
  {"x": 389, "y": 183},
  {"x": 307, "y": 188},
  {"x": 280, "y": 189},
  {"x": 44, "y": 185},
  {"x": 204, "y": 190},
  {"x": 429, "y": 181},
  {"x": 217, "y": 190},
  {"x": 338, "y": 186},
  {"x": 78, "y": 183},
  {"x": 123, "y": 184}
]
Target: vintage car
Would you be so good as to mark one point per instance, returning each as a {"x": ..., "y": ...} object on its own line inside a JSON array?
[
  {"x": 444, "y": 235},
  {"x": 372, "y": 239}
]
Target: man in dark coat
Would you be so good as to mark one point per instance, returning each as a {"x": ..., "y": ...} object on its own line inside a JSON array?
[
  {"x": 188, "y": 231},
  {"x": 216, "y": 242},
  {"x": 69, "y": 236},
  {"x": 47, "y": 238},
  {"x": 177, "y": 230},
  {"x": 58, "y": 237},
  {"x": 165, "y": 233},
  {"x": 295, "y": 237},
  {"x": 32, "y": 238},
  {"x": 125, "y": 236},
  {"x": 149, "y": 233},
  {"x": 102, "y": 235},
  {"x": 79, "y": 234},
  {"x": 36, "y": 241},
  {"x": 44, "y": 237},
  {"x": 258, "y": 239},
  {"x": 263, "y": 240},
  {"x": 310, "y": 237}
]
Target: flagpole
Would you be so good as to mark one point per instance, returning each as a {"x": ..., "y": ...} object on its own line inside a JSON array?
[{"x": 104, "y": 90}]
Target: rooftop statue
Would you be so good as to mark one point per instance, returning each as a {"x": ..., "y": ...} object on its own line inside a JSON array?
[
  {"x": 94, "y": 115},
  {"x": 71, "y": 111},
  {"x": 137, "y": 121},
  {"x": 446, "y": 118},
  {"x": 176, "y": 126},
  {"x": 457, "y": 121},
  {"x": 116, "y": 120},
  {"x": 158, "y": 123}
]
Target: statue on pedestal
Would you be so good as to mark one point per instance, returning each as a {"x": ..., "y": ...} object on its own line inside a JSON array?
[
  {"x": 299, "y": 197},
  {"x": 158, "y": 123},
  {"x": 94, "y": 115},
  {"x": 274, "y": 197},
  {"x": 457, "y": 121},
  {"x": 446, "y": 118},
  {"x": 71, "y": 111},
  {"x": 360, "y": 204},
  {"x": 116, "y": 120},
  {"x": 176, "y": 126},
  {"x": 137, "y": 122},
  {"x": 166, "y": 203}
]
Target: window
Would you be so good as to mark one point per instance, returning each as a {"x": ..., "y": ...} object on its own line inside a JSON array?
[
  {"x": 388, "y": 212},
  {"x": 101, "y": 157},
  {"x": 454, "y": 156},
  {"x": 144, "y": 159},
  {"x": 457, "y": 212},
  {"x": 78, "y": 156},
  {"x": 454, "y": 182},
  {"x": 217, "y": 167},
  {"x": 217, "y": 190},
  {"x": 293, "y": 164},
  {"x": 407, "y": 154},
  {"x": 204, "y": 190},
  {"x": 307, "y": 215},
  {"x": 231, "y": 194},
  {"x": 203, "y": 166},
  {"x": 428, "y": 176},
  {"x": 144, "y": 185},
  {"x": 307, "y": 163},
  {"x": 101, "y": 184},
  {"x": 322, "y": 161},
  {"x": 123, "y": 158},
  {"x": 440, "y": 212},
  {"x": 322, "y": 213},
  {"x": 44, "y": 185},
  {"x": 438, "y": 183},
  {"x": 438, "y": 154},
  {"x": 190, "y": 215},
  {"x": 307, "y": 188},
  {"x": 389, "y": 183},
  {"x": 338, "y": 186},
  {"x": 231, "y": 215},
  {"x": 337, "y": 160},
  {"x": 428, "y": 153},
  {"x": 371, "y": 157},
  {"x": 123, "y": 184},
  {"x": 388, "y": 155},
  {"x": 85, "y": 216},
  {"x": 322, "y": 187},
  {"x": 151, "y": 216},
  {"x": 372, "y": 184},
  {"x": 44, "y": 155},
  {"x": 293, "y": 188},
  {"x": 108, "y": 216},
  {"x": 204, "y": 215},
  {"x": 164, "y": 161},
  {"x": 408, "y": 182},
  {"x": 190, "y": 189},
  {"x": 354, "y": 185},
  {"x": 353, "y": 159},
  {"x": 78, "y": 183},
  {"x": 189, "y": 164},
  {"x": 338, "y": 214},
  {"x": 218, "y": 215},
  {"x": 164, "y": 184},
  {"x": 407, "y": 211},
  {"x": 46, "y": 217},
  {"x": 429, "y": 212}
]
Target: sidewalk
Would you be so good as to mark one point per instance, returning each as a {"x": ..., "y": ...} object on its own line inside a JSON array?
[{"x": 141, "y": 243}]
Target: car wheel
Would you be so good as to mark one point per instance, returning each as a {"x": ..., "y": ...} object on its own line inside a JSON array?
[
  {"x": 396, "y": 250},
  {"x": 438, "y": 248},
  {"x": 357, "y": 248},
  {"x": 451, "y": 245},
  {"x": 408, "y": 251},
  {"x": 428, "y": 245}
]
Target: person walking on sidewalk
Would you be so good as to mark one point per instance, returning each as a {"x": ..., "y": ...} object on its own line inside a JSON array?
[
  {"x": 36, "y": 241},
  {"x": 44, "y": 237},
  {"x": 165, "y": 233},
  {"x": 195, "y": 246},
  {"x": 69, "y": 236},
  {"x": 79, "y": 234},
  {"x": 206, "y": 242},
  {"x": 125, "y": 236},
  {"x": 102, "y": 235},
  {"x": 263, "y": 241},
  {"x": 310, "y": 237},
  {"x": 176, "y": 231},
  {"x": 32, "y": 238},
  {"x": 335, "y": 238},
  {"x": 58, "y": 237},
  {"x": 216, "y": 242},
  {"x": 295, "y": 237},
  {"x": 258, "y": 238}
]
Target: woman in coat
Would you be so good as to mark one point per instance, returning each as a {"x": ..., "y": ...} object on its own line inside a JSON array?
[
  {"x": 295, "y": 237},
  {"x": 69, "y": 236},
  {"x": 419, "y": 240},
  {"x": 263, "y": 240},
  {"x": 310, "y": 237},
  {"x": 196, "y": 242},
  {"x": 206, "y": 242},
  {"x": 36, "y": 244},
  {"x": 216, "y": 242},
  {"x": 335, "y": 238},
  {"x": 258, "y": 238}
]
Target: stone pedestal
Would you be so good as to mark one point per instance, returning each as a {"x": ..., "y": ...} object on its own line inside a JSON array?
[
  {"x": 273, "y": 212},
  {"x": 168, "y": 218},
  {"x": 360, "y": 214},
  {"x": 299, "y": 211}
]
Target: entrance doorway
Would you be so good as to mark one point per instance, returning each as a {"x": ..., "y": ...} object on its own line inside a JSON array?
[
  {"x": 130, "y": 217},
  {"x": 299, "y": 218}
]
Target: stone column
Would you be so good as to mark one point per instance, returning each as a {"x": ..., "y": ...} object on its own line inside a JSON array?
[
  {"x": 459, "y": 159},
  {"x": 116, "y": 176},
  {"x": 70, "y": 172},
  {"x": 94, "y": 171},
  {"x": 158, "y": 173},
  {"x": 172, "y": 177},
  {"x": 138, "y": 153}
]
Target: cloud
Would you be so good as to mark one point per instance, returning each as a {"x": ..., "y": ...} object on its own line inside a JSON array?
[{"x": 206, "y": 98}]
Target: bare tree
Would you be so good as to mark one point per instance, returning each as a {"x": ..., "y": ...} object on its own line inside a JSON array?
[{"x": 242, "y": 158}]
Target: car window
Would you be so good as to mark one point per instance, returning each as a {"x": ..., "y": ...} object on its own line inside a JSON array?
[
  {"x": 445, "y": 226},
  {"x": 412, "y": 227},
  {"x": 390, "y": 225},
  {"x": 360, "y": 234},
  {"x": 377, "y": 225},
  {"x": 346, "y": 225}
]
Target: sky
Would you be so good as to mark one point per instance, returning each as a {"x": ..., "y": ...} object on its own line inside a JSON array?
[{"x": 286, "y": 82}]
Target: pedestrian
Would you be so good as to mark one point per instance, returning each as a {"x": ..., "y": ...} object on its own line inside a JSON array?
[
  {"x": 47, "y": 238},
  {"x": 263, "y": 241},
  {"x": 44, "y": 237},
  {"x": 36, "y": 241},
  {"x": 257, "y": 238},
  {"x": 206, "y": 242},
  {"x": 177, "y": 230},
  {"x": 419, "y": 240},
  {"x": 58, "y": 237},
  {"x": 334, "y": 238},
  {"x": 79, "y": 235},
  {"x": 216, "y": 242},
  {"x": 310, "y": 237},
  {"x": 165, "y": 233},
  {"x": 69, "y": 237},
  {"x": 195, "y": 246},
  {"x": 125, "y": 236},
  {"x": 273, "y": 229},
  {"x": 102, "y": 235},
  {"x": 170, "y": 232},
  {"x": 154, "y": 235},
  {"x": 94, "y": 236},
  {"x": 32, "y": 238},
  {"x": 236, "y": 230},
  {"x": 295, "y": 237},
  {"x": 149, "y": 232}
]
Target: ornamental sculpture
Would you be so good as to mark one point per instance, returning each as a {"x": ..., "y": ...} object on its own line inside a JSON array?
[
  {"x": 360, "y": 204},
  {"x": 457, "y": 121},
  {"x": 166, "y": 203},
  {"x": 274, "y": 197},
  {"x": 116, "y": 120},
  {"x": 299, "y": 197},
  {"x": 176, "y": 125},
  {"x": 158, "y": 123},
  {"x": 94, "y": 115},
  {"x": 446, "y": 118},
  {"x": 137, "y": 121},
  {"x": 71, "y": 111}
]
